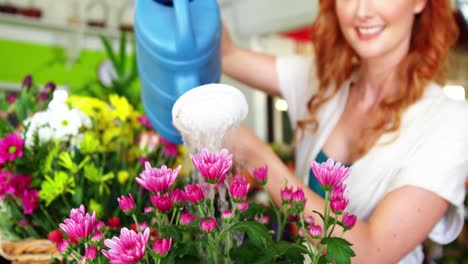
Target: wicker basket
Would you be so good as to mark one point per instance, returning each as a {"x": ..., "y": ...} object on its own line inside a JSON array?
[{"x": 31, "y": 251}]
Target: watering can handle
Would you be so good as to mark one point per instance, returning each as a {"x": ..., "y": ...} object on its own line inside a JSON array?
[{"x": 186, "y": 38}]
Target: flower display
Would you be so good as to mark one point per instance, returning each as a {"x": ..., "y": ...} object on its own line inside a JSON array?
[
  {"x": 59, "y": 151},
  {"x": 200, "y": 229}
]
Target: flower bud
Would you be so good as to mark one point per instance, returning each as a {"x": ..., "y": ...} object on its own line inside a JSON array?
[{"x": 208, "y": 224}]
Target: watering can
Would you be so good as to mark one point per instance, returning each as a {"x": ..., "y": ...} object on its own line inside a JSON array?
[{"x": 178, "y": 48}]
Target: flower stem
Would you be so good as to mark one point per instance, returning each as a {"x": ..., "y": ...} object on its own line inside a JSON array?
[
  {"x": 334, "y": 224},
  {"x": 326, "y": 213},
  {"x": 136, "y": 222},
  {"x": 212, "y": 194}
]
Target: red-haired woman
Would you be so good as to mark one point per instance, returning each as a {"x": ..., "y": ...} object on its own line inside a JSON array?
[{"x": 371, "y": 97}]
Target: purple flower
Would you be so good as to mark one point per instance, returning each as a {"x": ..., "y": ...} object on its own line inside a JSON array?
[
  {"x": 143, "y": 119},
  {"x": 157, "y": 180},
  {"x": 194, "y": 193},
  {"x": 47, "y": 91},
  {"x": 329, "y": 174},
  {"x": 11, "y": 148},
  {"x": 80, "y": 225},
  {"x": 349, "y": 220},
  {"x": 243, "y": 206},
  {"x": 129, "y": 248},
  {"x": 161, "y": 246},
  {"x": 126, "y": 203},
  {"x": 91, "y": 252},
  {"x": 315, "y": 230},
  {"x": 186, "y": 218},
  {"x": 261, "y": 174},
  {"x": 212, "y": 166},
  {"x": 30, "y": 201},
  {"x": 162, "y": 202},
  {"x": 208, "y": 224},
  {"x": 27, "y": 82},
  {"x": 170, "y": 149},
  {"x": 239, "y": 189}
]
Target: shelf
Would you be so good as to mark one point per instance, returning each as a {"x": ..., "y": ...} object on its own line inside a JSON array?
[{"x": 56, "y": 26}]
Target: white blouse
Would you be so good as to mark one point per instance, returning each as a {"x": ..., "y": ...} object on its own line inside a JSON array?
[{"x": 430, "y": 152}]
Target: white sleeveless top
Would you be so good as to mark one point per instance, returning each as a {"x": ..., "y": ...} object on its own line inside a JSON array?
[{"x": 431, "y": 151}]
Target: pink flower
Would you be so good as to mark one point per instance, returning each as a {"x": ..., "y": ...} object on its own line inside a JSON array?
[
  {"x": 11, "y": 148},
  {"x": 143, "y": 119},
  {"x": 91, "y": 252},
  {"x": 178, "y": 196},
  {"x": 186, "y": 218},
  {"x": 147, "y": 209},
  {"x": 286, "y": 194},
  {"x": 338, "y": 190},
  {"x": 62, "y": 246},
  {"x": 14, "y": 184},
  {"x": 113, "y": 222},
  {"x": 143, "y": 160},
  {"x": 309, "y": 219},
  {"x": 227, "y": 215},
  {"x": 349, "y": 220},
  {"x": 162, "y": 202},
  {"x": 11, "y": 98},
  {"x": 30, "y": 201},
  {"x": 338, "y": 203},
  {"x": 239, "y": 189},
  {"x": 212, "y": 166},
  {"x": 27, "y": 82},
  {"x": 157, "y": 180},
  {"x": 97, "y": 236},
  {"x": 262, "y": 219},
  {"x": 80, "y": 225},
  {"x": 261, "y": 174},
  {"x": 126, "y": 203},
  {"x": 55, "y": 235},
  {"x": 161, "y": 246},
  {"x": 148, "y": 141},
  {"x": 170, "y": 149},
  {"x": 194, "y": 193},
  {"x": 315, "y": 230},
  {"x": 130, "y": 247},
  {"x": 329, "y": 174},
  {"x": 208, "y": 224},
  {"x": 299, "y": 198},
  {"x": 23, "y": 223},
  {"x": 243, "y": 206}
]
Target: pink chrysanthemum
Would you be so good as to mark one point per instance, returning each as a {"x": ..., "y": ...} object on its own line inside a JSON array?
[
  {"x": 130, "y": 247},
  {"x": 80, "y": 225},
  {"x": 11, "y": 148},
  {"x": 170, "y": 149},
  {"x": 186, "y": 218},
  {"x": 212, "y": 166},
  {"x": 157, "y": 180},
  {"x": 329, "y": 174},
  {"x": 208, "y": 224},
  {"x": 239, "y": 189},
  {"x": 30, "y": 201},
  {"x": 261, "y": 174},
  {"x": 126, "y": 203},
  {"x": 162, "y": 246}
]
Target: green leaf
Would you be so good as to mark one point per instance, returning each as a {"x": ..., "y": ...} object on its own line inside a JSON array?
[
  {"x": 321, "y": 215},
  {"x": 338, "y": 250},
  {"x": 52, "y": 188},
  {"x": 123, "y": 47},
  {"x": 92, "y": 173},
  {"x": 51, "y": 156},
  {"x": 256, "y": 232},
  {"x": 109, "y": 51}
]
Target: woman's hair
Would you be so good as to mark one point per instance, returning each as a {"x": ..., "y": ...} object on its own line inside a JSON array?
[{"x": 434, "y": 32}]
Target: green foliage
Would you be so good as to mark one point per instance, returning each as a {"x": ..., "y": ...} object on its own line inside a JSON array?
[{"x": 338, "y": 250}]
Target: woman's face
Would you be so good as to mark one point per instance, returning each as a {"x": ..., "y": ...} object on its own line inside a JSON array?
[{"x": 378, "y": 28}]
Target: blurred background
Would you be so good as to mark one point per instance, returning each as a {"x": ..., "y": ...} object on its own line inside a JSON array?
[{"x": 65, "y": 41}]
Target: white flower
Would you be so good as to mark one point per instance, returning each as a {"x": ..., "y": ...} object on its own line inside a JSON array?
[{"x": 65, "y": 123}]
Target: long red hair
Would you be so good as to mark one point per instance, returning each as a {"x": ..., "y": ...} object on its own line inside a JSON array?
[{"x": 434, "y": 32}]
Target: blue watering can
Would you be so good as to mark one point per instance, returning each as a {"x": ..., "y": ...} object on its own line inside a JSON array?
[{"x": 178, "y": 48}]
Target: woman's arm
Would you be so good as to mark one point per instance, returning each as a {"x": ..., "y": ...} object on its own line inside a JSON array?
[
  {"x": 254, "y": 69},
  {"x": 401, "y": 221}
]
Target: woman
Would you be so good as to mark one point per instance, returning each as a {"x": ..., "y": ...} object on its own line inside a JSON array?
[{"x": 371, "y": 97}]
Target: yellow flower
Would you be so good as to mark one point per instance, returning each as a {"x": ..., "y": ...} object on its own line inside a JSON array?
[
  {"x": 122, "y": 176},
  {"x": 122, "y": 109},
  {"x": 96, "y": 207}
]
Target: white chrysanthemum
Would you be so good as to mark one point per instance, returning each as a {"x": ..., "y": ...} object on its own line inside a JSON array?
[
  {"x": 65, "y": 123},
  {"x": 58, "y": 101}
]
